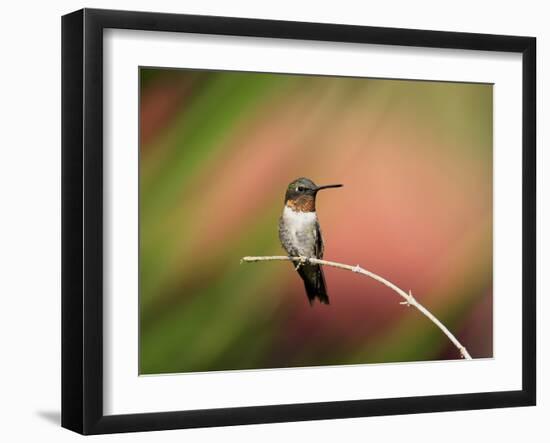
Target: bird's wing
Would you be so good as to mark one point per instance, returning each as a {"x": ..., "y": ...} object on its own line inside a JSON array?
[{"x": 319, "y": 245}]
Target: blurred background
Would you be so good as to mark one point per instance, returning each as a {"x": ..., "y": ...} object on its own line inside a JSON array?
[{"x": 217, "y": 151}]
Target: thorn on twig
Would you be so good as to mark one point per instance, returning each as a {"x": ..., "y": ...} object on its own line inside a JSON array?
[
  {"x": 410, "y": 300},
  {"x": 356, "y": 268}
]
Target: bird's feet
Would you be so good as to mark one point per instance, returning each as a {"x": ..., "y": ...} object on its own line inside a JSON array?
[{"x": 303, "y": 260}]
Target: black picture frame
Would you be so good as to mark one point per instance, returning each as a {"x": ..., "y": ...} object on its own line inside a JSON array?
[{"x": 82, "y": 220}]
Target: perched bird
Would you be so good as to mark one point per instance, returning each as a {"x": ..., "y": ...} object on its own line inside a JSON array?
[{"x": 300, "y": 234}]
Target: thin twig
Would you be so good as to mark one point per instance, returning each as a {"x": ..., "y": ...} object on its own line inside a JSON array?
[{"x": 409, "y": 299}]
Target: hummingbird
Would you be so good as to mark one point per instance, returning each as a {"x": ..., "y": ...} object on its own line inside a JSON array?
[{"x": 300, "y": 234}]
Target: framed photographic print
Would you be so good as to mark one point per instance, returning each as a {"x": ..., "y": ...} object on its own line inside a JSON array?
[{"x": 269, "y": 221}]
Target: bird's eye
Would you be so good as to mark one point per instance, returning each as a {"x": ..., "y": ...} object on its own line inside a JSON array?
[{"x": 300, "y": 188}]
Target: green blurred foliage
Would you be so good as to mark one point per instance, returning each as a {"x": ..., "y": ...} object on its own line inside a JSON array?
[{"x": 217, "y": 150}]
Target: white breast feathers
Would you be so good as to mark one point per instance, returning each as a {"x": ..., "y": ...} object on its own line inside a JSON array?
[{"x": 302, "y": 230}]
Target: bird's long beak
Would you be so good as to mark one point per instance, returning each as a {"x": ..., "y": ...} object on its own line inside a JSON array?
[{"x": 327, "y": 186}]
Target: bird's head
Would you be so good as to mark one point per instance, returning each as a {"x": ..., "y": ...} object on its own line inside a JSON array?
[{"x": 300, "y": 194}]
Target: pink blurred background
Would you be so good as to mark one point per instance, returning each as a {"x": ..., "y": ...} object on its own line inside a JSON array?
[{"x": 218, "y": 150}]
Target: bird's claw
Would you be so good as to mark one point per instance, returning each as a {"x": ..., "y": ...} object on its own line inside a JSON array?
[{"x": 302, "y": 261}]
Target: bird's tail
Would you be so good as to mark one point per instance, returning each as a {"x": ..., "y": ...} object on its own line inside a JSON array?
[{"x": 314, "y": 281}]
